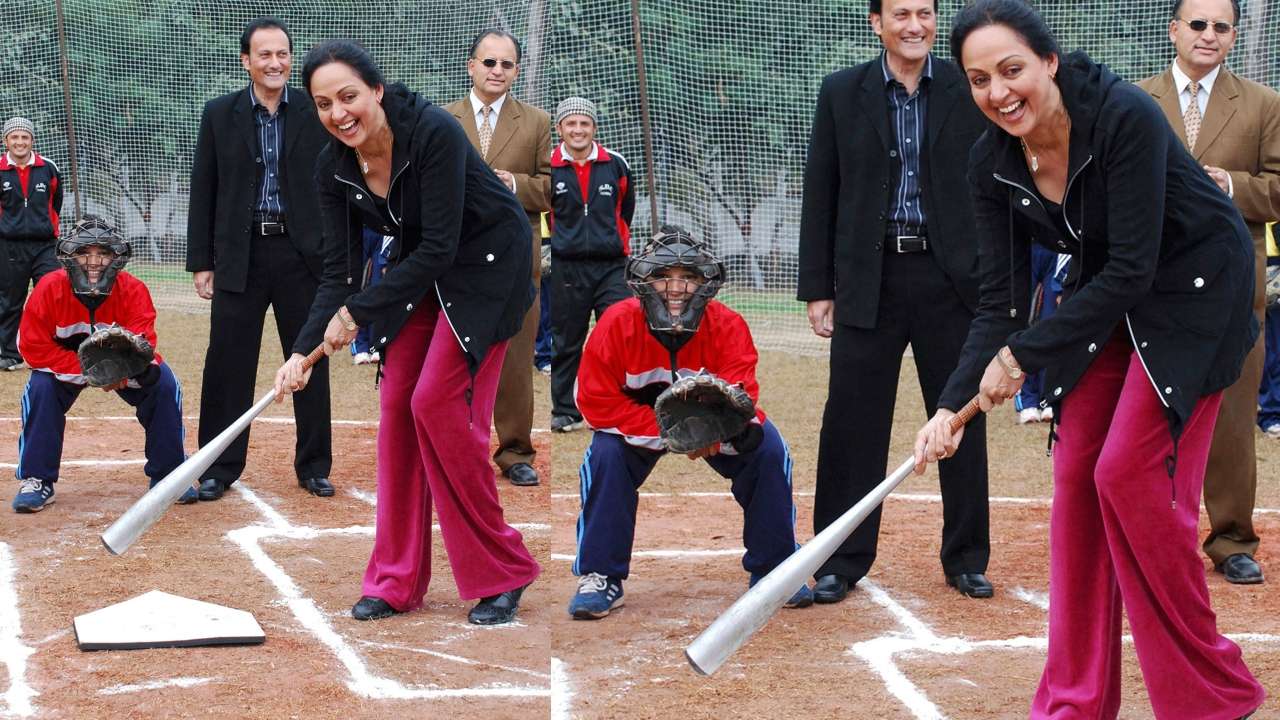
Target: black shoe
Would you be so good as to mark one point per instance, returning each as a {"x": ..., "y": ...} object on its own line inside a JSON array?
[
  {"x": 1240, "y": 569},
  {"x": 975, "y": 585},
  {"x": 372, "y": 608},
  {"x": 522, "y": 474},
  {"x": 211, "y": 489},
  {"x": 831, "y": 589},
  {"x": 318, "y": 486},
  {"x": 496, "y": 609}
]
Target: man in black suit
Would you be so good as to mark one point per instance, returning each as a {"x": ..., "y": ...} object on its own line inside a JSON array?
[
  {"x": 253, "y": 240},
  {"x": 888, "y": 257}
]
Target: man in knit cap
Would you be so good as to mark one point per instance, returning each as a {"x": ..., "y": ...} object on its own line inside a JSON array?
[
  {"x": 592, "y": 200},
  {"x": 30, "y": 201}
]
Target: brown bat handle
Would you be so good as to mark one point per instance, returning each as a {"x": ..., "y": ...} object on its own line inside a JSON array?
[
  {"x": 318, "y": 354},
  {"x": 970, "y": 411}
]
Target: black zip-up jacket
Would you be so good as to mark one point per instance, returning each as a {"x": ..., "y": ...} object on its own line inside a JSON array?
[
  {"x": 460, "y": 234},
  {"x": 33, "y": 215},
  {"x": 598, "y": 229},
  {"x": 1159, "y": 252}
]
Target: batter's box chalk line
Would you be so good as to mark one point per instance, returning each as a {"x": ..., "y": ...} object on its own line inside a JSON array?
[
  {"x": 17, "y": 699},
  {"x": 363, "y": 681},
  {"x": 920, "y": 638}
]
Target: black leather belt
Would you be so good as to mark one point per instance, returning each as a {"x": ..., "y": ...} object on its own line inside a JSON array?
[
  {"x": 908, "y": 243},
  {"x": 269, "y": 228}
]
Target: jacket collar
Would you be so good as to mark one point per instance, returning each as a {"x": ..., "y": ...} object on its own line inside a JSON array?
[
  {"x": 7, "y": 163},
  {"x": 404, "y": 109},
  {"x": 1084, "y": 85},
  {"x": 560, "y": 156}
]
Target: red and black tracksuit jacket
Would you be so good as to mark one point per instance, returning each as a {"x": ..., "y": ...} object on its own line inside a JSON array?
[
  {"x": 30, "y": 199},
  {"x": 591, "y": 206}
]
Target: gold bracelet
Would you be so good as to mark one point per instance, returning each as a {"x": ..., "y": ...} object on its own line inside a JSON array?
[
  {"x": 344, "y": 317},
  {"x": 1013, "y": 371}
]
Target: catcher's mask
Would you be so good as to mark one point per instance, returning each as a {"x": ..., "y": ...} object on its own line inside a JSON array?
[
  {"x": 82, "y": 264},
  {"x": 674, "y": 247}
]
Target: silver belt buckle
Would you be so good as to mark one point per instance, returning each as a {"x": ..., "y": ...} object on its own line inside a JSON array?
[{"x": 924, "y": 244}]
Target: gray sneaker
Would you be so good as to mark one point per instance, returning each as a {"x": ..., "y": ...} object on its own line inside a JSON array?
[{"x": 12, "y": 364}]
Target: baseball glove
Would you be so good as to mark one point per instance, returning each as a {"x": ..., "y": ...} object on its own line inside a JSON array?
[
  {"x": 700, "y": 410},
  {"x": 1273, "y": 285},
  {"x": 114, "y": 354}
]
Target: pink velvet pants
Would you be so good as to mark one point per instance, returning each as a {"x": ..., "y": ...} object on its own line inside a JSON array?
[
  {"x": 433, "y": 448},
  {"x": 1116, "y": 544}
]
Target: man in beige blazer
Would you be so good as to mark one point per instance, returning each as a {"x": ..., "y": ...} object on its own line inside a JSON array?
[
  {"x": 1232, "y": 126},
  {"x": 515, "y": 139}
]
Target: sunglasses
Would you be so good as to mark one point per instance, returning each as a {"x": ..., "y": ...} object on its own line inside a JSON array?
[
  {"x": 1221, "y": 28},
  {"x": 508, "y": 64}
]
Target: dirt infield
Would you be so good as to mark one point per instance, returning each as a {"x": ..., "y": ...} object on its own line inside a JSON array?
[
  {"x": 293, "y": 560},
  {"x": 902, "y": 646}
]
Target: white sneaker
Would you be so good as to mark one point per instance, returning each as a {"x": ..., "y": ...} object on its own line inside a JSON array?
[
  {"x": 1273, "y": 431},
  {"x": 1028, "y": 415},
  {"x": 1046, "y": 415},
  {"x": 362, "y": 358}
]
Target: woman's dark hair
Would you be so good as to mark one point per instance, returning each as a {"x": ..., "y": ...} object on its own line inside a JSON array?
[
  {"x": 349, "y": 53},
  {"x": 262, "y": 23},
  {"x": 1017, "y": 15}
]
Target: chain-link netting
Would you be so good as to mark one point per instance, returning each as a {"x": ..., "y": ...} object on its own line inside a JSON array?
[{"x": 731, "y": 87}]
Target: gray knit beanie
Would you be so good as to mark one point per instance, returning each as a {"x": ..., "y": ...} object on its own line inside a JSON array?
[
  {"x": 18, "y": 123},
  {"x": 576, "y": 106}
]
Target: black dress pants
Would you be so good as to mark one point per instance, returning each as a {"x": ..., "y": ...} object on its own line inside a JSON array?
[
  {"x": 25, "y": 262},
  {"x": 578, "y": 287},
  {"x": 278, "y": 278},
  {"x": 918, "y": 305}
]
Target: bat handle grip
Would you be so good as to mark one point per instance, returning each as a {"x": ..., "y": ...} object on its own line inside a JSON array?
[
  {"x": 970, "y": 411},
  {"x": 318, "y": 354}
]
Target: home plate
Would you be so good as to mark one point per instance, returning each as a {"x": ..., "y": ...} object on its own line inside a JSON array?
[{"x": 159, "y": 620}]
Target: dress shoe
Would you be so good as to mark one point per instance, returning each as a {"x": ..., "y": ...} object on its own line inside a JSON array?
[
  {"x": 496, "y": 609},
  {"x": 372, "y": 608},
  {"x": 522, "y": 474},
  {"x": 975, "y": 585},
  {"x": 831, "y": 588},
  {"x": 318, "y": 486},
  {"x": 211, "y": 489},
  {"x": 1241, "y": 569}
]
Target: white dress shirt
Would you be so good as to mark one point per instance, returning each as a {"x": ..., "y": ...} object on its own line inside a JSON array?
[
  {"x": 1180, "y": 83},
  {"x": 495, "y": 109}
]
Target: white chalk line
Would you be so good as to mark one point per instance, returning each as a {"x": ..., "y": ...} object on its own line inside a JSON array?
[
  {"x": 362, "y": 681},
  {"x": 879, "y": 652},
  {"x": 1031, "y": 597},
  {"x": 196, "y": 419},
  {"x": 17, "y": 699},
  {"x": 561, "y": 691},
  {"x": 86, "y": 463},
  {"x": 454, "y": 658},
  {"x": 372, "y": 500},
  {"x": 666, "y": 554},
  {"x": 180, "y": 682},
  {"x": 909, "y": 497}
]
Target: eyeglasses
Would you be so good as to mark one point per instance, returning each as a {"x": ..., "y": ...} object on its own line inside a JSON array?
[
  {"x": 506, "y": 64},
  {"x": 1221, "y": 28}
]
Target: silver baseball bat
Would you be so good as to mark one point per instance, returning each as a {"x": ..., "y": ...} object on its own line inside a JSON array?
[
  {"x": 147, "y": 509},
  {"x": 750, "y": 612}
]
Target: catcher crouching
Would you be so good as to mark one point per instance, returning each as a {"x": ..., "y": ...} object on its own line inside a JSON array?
[
  {"x": 92, "y": 324},
  {"x": 672, "y": 370}
]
